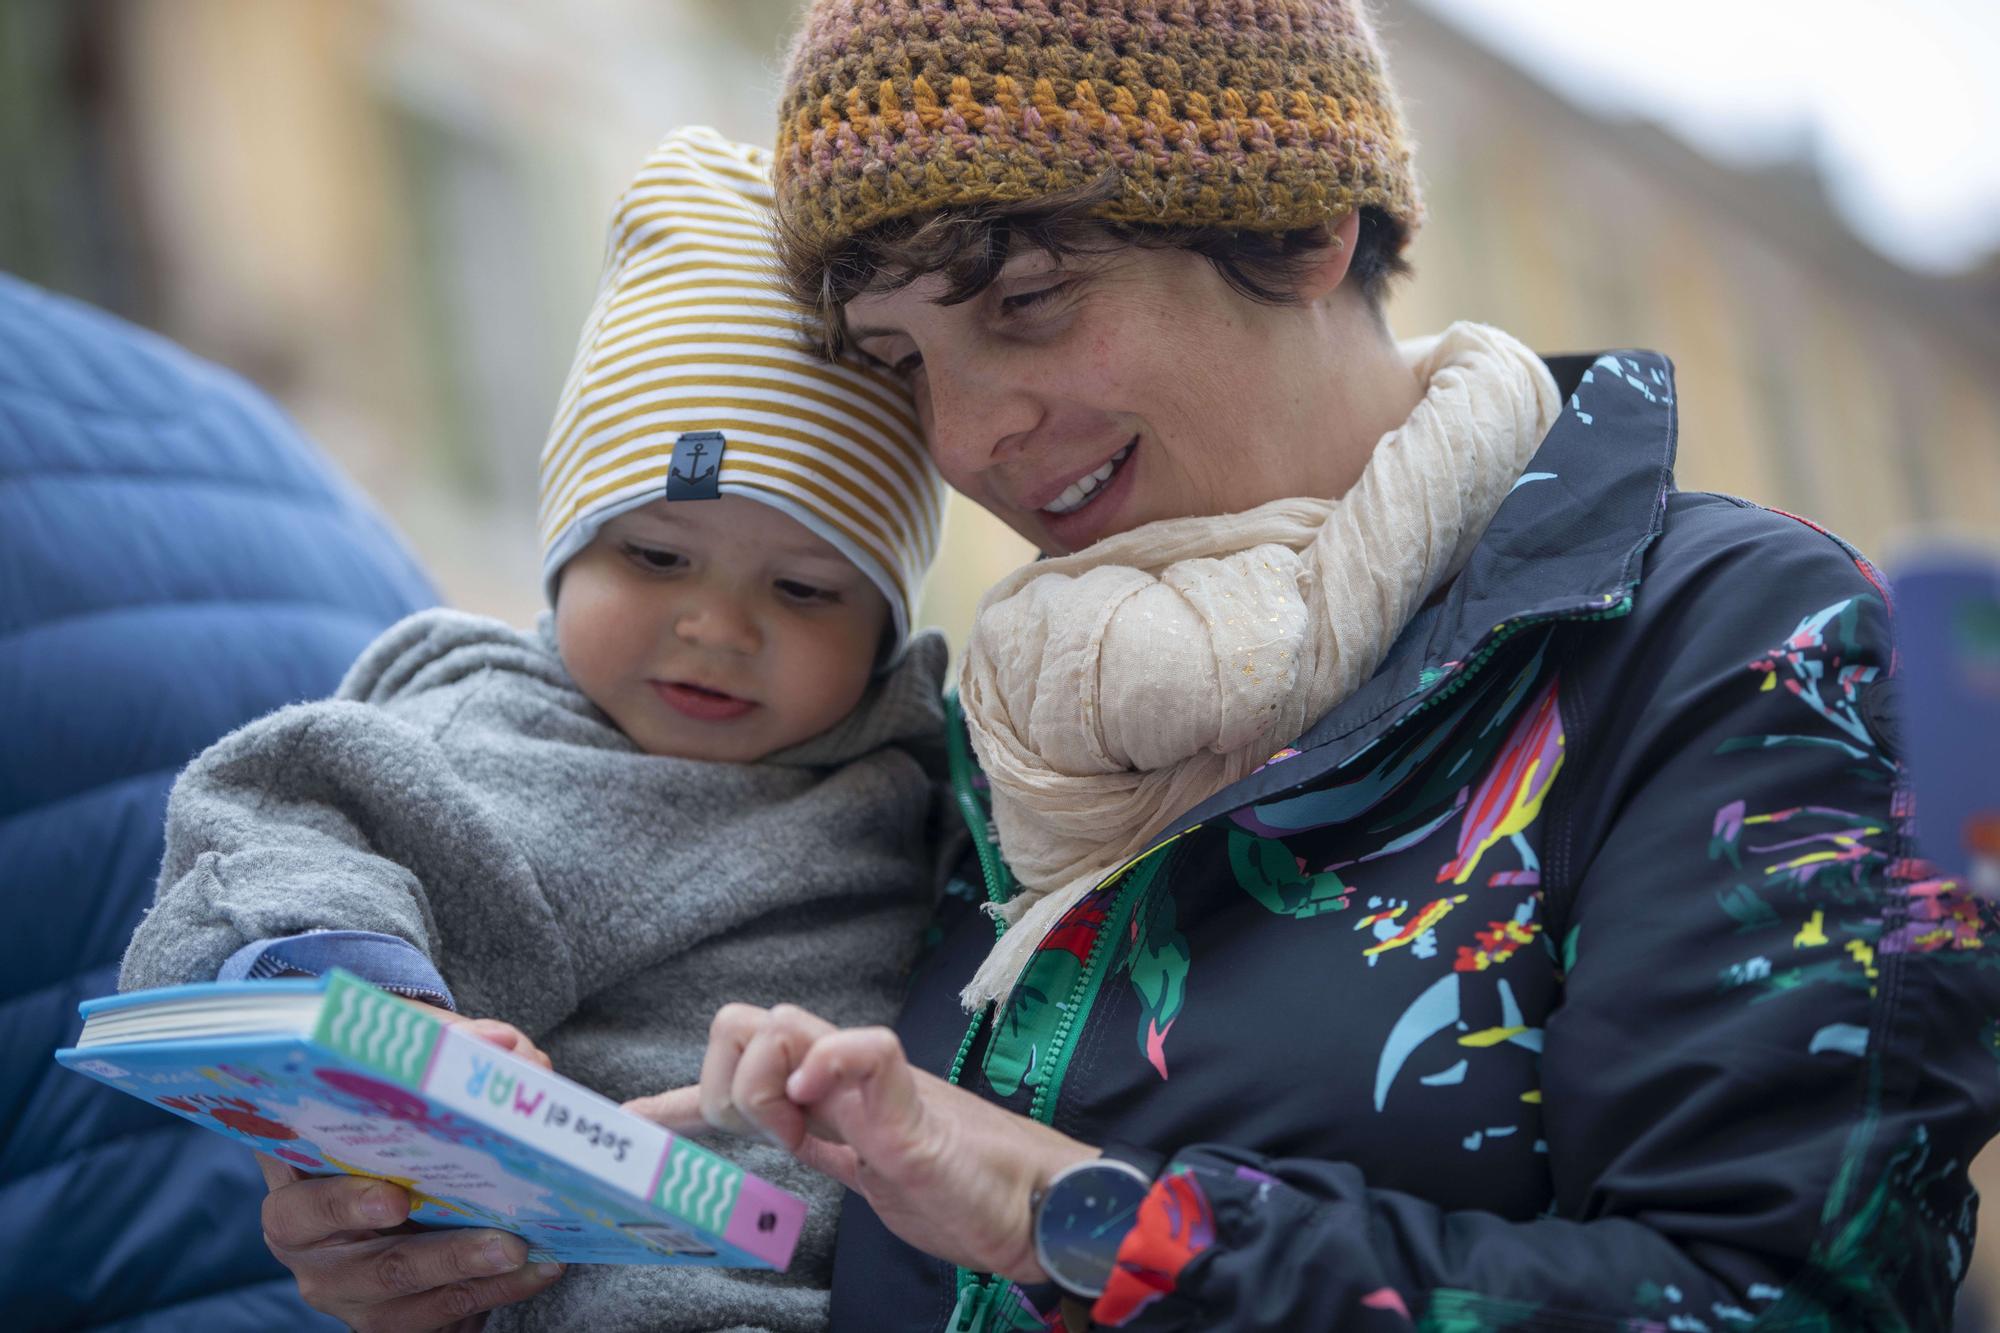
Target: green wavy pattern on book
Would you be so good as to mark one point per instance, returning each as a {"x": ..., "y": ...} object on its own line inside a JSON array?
[
  {"x": 386, "y": 1035},
  {"x": 699, "y": 1186}
]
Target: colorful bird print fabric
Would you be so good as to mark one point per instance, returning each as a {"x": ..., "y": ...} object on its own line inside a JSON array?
[{"x": 1576, "y": 974}]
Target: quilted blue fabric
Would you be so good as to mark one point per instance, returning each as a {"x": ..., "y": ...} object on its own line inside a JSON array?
[{"x": 175, "y": 559}]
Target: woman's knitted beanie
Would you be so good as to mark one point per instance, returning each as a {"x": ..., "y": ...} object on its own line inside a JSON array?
[
  {"x": 695, "y": 377},
  {"x": 1261, "y": 115}
]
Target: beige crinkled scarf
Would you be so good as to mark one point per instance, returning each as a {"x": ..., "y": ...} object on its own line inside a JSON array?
[{"x": 1110, "y": 691}]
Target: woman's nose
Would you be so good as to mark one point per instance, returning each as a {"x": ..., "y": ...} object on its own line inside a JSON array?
[{"x": 972, "y": 415}]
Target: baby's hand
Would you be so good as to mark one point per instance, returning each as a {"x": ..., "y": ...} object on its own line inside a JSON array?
[{"x": 504, "y": 1035}]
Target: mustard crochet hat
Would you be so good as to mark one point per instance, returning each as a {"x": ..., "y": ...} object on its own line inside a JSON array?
[
  {"x": 695, "y": 377},
  {"x": 1263, "y": 115}
]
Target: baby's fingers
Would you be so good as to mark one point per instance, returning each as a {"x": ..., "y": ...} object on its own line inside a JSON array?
[{"x": 509, "y": 1038}]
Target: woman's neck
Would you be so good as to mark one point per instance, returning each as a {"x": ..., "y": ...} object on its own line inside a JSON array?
[{"x": 1371, "y": 392}]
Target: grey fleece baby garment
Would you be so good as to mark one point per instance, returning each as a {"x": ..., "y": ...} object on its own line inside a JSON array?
[{"x": 461, "y": 794}]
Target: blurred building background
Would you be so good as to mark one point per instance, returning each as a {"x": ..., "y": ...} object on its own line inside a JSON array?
[{"x": 389, "y": 214}]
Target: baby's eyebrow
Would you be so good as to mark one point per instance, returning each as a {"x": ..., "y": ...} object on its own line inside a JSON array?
[
  {"x": 652, "y": 529},
  {"x": 823, "y": 559}
]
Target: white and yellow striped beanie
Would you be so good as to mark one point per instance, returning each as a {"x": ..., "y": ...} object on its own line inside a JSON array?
[{"x": 695, "y": 377}]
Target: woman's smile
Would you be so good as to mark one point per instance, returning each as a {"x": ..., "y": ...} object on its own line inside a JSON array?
[
  {"x": 1088, "y": 508},
  {"x": 1078, "y": 492}
]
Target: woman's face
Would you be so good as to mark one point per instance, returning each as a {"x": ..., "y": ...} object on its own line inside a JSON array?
[{"x": 1077, "y": 397}]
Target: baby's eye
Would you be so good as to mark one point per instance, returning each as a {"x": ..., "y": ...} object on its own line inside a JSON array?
[
  {"x": 653, "y": 558},
  {"x": 805, "y": 592}
]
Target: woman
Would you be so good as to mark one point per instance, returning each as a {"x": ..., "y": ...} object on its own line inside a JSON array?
[{"x": 1562, "y": 967}]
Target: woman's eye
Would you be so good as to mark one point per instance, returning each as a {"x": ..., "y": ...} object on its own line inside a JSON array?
[
  {"x": 1025, "y": 301},
  {"x": 650, "y": 557},
  {"x": 805, "y": 592},
  {"x": 909, "y": 364}
]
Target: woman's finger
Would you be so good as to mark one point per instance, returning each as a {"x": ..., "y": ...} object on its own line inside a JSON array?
[
  {"x": 868, "y": 1063},
  {"x": 728, "y": 1033},
  {"x": 834, "y": 1160},
  {"x": 443, "y": 1306},
  {"x": 758, "y": 1089},
  {"x": 678, "y": 1109},
  {"x": 277, "y": 1173},
  {"x": 306, "y": 1213},
  {"x": 363, "y": 1275}
]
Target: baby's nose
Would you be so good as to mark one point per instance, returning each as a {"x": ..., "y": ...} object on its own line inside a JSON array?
[{"x": 718, "y": 623}]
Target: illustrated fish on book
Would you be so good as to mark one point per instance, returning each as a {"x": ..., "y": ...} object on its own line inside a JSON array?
[{"x": 332, "y": 1075}]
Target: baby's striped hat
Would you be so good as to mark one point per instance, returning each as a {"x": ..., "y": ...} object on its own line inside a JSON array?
[{"x": 696, "y": 376}]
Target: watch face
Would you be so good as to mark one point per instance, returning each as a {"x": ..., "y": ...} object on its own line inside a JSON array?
[{"x": 1083, "y": 1219}]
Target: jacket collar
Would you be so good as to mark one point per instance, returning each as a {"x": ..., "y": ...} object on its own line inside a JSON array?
[{"x": 1566, "y": 544}]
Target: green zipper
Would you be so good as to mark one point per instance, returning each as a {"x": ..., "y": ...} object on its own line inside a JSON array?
[
  {"x": 999, "y": 881},
  {"x": 980, "y": 1293},
  {"x": 1614, "y": 607},
  {"x": 976, "y": 1291}
]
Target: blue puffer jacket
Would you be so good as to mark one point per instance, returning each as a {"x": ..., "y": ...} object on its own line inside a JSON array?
[{"x": 174, "y": 561}]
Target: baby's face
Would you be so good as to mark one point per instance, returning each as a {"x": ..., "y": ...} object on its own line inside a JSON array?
[{"x": 717, "y": 629}]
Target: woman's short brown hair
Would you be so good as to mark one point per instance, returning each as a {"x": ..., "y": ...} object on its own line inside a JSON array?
[{"x": 968, "y": 246}]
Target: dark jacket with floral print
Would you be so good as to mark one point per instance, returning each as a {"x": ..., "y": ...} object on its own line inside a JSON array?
[{"x": 1573, "y": 974}]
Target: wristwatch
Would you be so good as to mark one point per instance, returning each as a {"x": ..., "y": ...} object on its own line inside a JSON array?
[{"x": 1083, "y": 1214}]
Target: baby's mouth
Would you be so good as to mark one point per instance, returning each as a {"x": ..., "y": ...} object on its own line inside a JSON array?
[{"x": 701, "y": 702}]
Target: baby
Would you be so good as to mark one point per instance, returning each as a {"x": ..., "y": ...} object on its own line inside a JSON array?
[{"x": 708, "y": 776}]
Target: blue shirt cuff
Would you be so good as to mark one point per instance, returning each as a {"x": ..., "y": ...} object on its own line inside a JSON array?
[{"x": 393, "y": 964}]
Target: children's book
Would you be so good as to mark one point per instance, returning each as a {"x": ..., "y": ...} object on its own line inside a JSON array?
[
  {"x": 1948, "y": 637},
  {"x": 332, "y": 1075}
]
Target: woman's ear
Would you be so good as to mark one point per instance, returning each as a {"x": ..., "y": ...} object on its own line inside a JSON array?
[{"x": 1329, "y": 267}]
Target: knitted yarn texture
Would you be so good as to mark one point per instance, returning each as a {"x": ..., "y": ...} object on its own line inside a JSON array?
[
  {"x": 1110, "y": 691},
  {"x": 1263, "y": 115}
]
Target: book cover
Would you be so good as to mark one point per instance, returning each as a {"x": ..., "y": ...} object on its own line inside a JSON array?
[{"x": 352, "y": 1079}]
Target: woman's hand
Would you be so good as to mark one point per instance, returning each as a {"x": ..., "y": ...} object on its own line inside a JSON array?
[
  {"x": 949, "y": 1173},
  {"x": 332, "y": 1232},
  {"x": 347, "y": 1241}
]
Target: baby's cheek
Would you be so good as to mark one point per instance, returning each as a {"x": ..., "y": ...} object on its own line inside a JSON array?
[
  {"x": 827, "y": 680},
  {"x": 597, "y": 641},
  {"x": 575, "y": 643}
]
